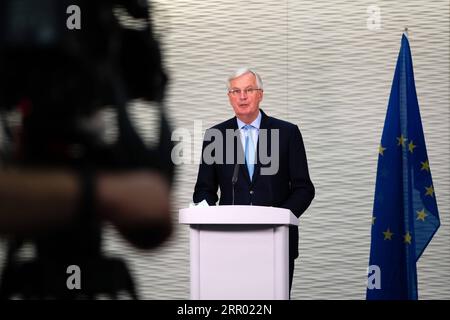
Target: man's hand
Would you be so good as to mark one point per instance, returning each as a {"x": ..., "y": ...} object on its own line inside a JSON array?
[{"x": 138, "y": 204}]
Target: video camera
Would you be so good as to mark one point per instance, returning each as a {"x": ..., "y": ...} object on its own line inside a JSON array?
[{"x": 55, "y": 78}]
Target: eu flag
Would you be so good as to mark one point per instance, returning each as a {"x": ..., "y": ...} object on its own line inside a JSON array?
[{"x": 405, "y": 214}]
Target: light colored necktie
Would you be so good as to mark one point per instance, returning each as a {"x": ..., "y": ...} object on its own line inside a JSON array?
[{"x": 249, "y": 150}]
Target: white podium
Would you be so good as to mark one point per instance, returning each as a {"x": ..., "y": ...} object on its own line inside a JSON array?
[{"x": 239, "y": 252}]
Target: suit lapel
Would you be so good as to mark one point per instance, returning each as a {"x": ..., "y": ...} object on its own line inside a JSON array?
[
  {"x": 265, "y": 123},
  {"x": 238, "y": 144}
]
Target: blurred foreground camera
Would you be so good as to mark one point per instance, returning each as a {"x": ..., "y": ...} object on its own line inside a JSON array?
[{"x": 54, "y": 82}]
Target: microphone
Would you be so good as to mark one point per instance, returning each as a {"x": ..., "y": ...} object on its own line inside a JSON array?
[{"x": 235, "y": 177}]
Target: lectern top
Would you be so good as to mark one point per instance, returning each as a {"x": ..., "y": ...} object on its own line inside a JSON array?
[{"x": 237, "y": 215}]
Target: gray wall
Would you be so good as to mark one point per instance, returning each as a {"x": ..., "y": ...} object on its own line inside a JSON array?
[{"x": 327, "y": 71}]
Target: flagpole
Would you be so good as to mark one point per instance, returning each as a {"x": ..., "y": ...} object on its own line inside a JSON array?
[{"x": 406, "y": 32}]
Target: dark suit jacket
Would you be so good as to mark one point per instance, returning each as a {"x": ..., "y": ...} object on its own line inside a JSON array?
[{"x": 289, "y": 188}]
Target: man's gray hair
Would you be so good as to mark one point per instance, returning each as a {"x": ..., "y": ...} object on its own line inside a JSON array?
[{"x": 241, "y": 71}]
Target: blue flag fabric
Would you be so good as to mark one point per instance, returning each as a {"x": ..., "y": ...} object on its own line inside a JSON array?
[{"x": 405, "y": 214}]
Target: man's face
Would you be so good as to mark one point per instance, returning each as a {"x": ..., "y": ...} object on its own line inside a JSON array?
[{"x": 246, "y": 103}]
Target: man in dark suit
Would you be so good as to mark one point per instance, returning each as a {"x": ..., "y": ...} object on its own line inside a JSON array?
[{"x": 279, "y": 178}]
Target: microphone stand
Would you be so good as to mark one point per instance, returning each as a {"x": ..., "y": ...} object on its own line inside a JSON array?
[{"x": 235, "y": 178}]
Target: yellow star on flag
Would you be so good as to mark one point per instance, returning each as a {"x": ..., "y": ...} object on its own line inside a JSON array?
[
  {"x": 430, "y": 191},
  {"x": 387, "y": 234},
  {"x": 401, "y": 141},
  {"x": 421, "y": 215},
  {"x": 411, "y": 146},
  {"x": 407, "y": 238},
  {"x": 381, "y": 150},
  {"x": 425, "y": 166}
]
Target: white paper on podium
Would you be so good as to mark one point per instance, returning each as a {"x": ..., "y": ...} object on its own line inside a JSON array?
[{"x": 204, "y": 203}]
